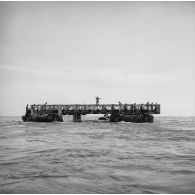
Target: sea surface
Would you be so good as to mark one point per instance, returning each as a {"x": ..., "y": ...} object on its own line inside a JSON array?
[{"x": 97, "y": 156}]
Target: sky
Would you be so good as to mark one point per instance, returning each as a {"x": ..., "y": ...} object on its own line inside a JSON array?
[{"x": 70, "y": 52}]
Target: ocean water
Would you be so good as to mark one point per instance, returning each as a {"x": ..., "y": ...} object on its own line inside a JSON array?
[{"x": 97, "y": 156}]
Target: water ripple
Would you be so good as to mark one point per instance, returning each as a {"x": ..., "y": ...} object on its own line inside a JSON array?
[{"x": 97, "y": 157}]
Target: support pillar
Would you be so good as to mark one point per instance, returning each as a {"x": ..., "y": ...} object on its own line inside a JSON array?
[
  {"x": 77, "y": 117},
  {"x": 115, "y": 116}
]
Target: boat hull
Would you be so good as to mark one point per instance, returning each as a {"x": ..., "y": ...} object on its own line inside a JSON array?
[
  {"x": 135, "y": 118},
  {"x": 42, "y": 118}
]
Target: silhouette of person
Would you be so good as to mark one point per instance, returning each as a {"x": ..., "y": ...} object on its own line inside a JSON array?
[
  {"x": 26, "y": 107},
  {"x": 97, "y": 100}
]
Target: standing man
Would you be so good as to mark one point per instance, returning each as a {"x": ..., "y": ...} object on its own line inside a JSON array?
[
  {"x": 97, "y": 100},
  {"x": 26, "y": 108},
  {"x": 120, "y": 105}
]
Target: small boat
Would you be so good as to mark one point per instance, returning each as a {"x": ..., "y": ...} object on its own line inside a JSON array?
[{"x": 104, "y": 118}]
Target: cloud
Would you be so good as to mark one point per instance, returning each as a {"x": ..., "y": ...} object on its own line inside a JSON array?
[
  {"x": 117, "y": 78},
  {"x": 38, "y": 72}
]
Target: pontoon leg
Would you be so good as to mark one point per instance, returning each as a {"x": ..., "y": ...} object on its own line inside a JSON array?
[{"x": 77, "y": 117}]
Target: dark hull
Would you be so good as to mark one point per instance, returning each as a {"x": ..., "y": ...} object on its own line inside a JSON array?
[
  {"x": 136, "y": 118},
  {"x": 102, "y": 118},
  {"x": 42, "y": 118}
]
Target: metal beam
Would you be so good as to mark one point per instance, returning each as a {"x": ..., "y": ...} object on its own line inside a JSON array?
[{"x": 71, "y": 109}]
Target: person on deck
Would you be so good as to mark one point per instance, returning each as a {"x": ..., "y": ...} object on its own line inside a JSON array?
[
  {"x": 120, "y": 105},
  {"x": 141, "y": 108},
  {"x": 26, "y": 107},
  {"x": 97, "y": 100},
  {"x": 134, "y": 108}
]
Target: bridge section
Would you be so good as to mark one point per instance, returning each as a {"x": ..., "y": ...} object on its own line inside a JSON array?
[{"x": 83, "y": 109}]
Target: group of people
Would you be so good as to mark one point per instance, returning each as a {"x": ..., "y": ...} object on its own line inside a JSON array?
[
  {"x": 134, "y": 108},
  {"x": 148, "y": 105},
  {"x": 41, "y": 109}
]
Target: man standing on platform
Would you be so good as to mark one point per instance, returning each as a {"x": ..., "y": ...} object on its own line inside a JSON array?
[{"x": 97, "y": 100}]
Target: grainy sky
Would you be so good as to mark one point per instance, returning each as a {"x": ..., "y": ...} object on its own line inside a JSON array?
[{"x": 70, "y": 52}]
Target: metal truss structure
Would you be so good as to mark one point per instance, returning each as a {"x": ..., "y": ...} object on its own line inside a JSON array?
[{"x": 84, "y": 109}]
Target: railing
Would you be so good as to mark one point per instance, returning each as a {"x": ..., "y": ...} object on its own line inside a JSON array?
[{"x": 83, "y": 109}]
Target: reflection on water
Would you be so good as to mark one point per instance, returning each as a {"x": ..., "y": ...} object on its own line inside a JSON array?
[{"x": 97, "y": 157}]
